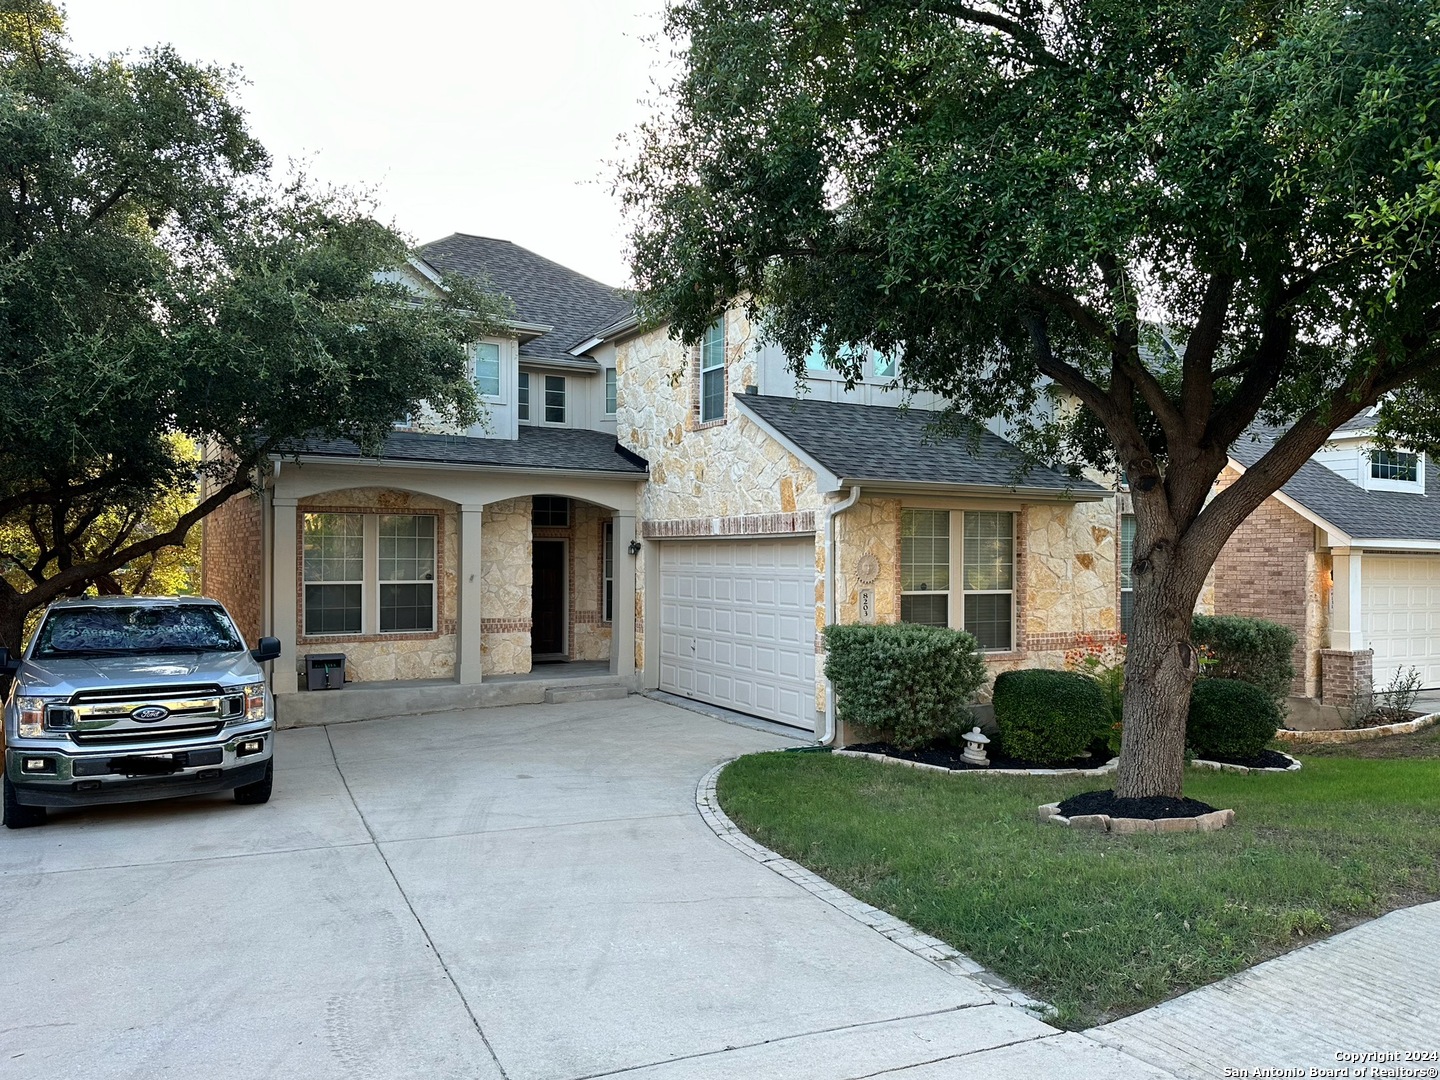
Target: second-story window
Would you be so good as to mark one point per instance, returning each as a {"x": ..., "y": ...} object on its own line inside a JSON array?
[
  {"x": 487, "y": 369},
  {"x": 555, "y": 399},
  {"x": 882, "y": 365},
  {"x": 611, "y": 394},
  {"x": 712, "y": 373},
  {"x": 1394, "y": 465},
  {"x": 523, "y": 396}
]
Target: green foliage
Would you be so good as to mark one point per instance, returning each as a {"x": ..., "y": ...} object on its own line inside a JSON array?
[
  {"x": 1256, "y": 651},
  {"x": 157, "y": 280},
  {"x": 1049, "y": 716},
  {"x": 912, "y": 684},
  {"x": 1230, "y": 719}
]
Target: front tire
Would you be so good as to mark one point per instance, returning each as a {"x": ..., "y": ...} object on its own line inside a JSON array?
[
  {"x": 17, "y": 815},
  {"x": 258, "y": 792}
]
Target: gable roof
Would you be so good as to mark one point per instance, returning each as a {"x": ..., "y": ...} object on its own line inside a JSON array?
[
  {"x": 572, "y": 449},
  {"x": 1360, "y": 514},
  {"x": 877, "y": 444},
  {"x": 544, "y": 292}
]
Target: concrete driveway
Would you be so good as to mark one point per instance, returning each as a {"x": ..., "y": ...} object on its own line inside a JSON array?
[{"x": 525, "y": 892}]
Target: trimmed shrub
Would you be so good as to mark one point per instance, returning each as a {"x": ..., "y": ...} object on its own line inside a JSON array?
[
  {"x": 1230, "y": 718},
  {"x": 1255, "y": 651},
  {"x": 1048, "y": 716},
  {"x": 909, "y": 684}
]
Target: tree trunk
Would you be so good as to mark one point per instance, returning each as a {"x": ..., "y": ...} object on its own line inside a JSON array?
[
  {"x": 12, "y": 627},
  {"x": 1160, "y": 668}
]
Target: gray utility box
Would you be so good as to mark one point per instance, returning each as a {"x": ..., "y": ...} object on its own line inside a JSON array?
[{"x": 324, "y": 671}]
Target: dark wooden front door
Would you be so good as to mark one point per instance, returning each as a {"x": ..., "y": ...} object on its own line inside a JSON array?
[{"x": 547, "y": 598}]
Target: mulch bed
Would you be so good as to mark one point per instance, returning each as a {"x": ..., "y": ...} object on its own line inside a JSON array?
[
  {"x": 1266, "y": 759},
  {"x": 1152, "y": 808},
  {"x": 948, "y": 757},
  {"x": 1384, "y": 717}
]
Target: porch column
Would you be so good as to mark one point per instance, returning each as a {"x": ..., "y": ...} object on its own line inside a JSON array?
[
  {"x": 284, "y": 581},
  {"x": 622, "y": 626},
  {"x": 1347, "y": 628},
  {"x": 467, "y": 597}
]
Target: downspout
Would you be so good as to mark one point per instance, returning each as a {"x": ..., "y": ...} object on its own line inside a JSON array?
[{"x": 831, "y": 512}]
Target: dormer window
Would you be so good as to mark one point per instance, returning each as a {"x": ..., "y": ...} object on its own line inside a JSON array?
[
  {"x": 1393, "y": 470},
  {"x": 1394, "y": 465},
  {"x": 487, "y": 369}
]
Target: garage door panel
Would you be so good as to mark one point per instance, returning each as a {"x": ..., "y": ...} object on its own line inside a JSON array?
[
  {"x": 739, "y": 618},
  {"x": 1401, "y": 607}
]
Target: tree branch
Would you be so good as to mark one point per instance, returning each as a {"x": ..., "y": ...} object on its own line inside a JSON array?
[{"x": 1011, "y": 28}]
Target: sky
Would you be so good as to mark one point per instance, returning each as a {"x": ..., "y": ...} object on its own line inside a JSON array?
[{"x": 486, "y": 117}]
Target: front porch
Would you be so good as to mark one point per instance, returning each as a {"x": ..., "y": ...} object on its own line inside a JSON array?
[{"x": 544, "y": 684}]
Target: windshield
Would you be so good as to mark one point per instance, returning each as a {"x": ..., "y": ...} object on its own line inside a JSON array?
[{"x": 119, "y": 631}]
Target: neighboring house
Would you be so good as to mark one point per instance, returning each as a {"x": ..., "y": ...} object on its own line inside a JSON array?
[
  {"x": 765, "y": 506},
  {"x": 1347, "y": 554}
]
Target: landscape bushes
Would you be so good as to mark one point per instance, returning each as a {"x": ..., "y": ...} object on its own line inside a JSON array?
[
  {"x": 907, "y": 683},
  {"x": 1048, "y": 716},
  {"x": 1255, "y": 651},
  {"x": 1230, "y": 719}
]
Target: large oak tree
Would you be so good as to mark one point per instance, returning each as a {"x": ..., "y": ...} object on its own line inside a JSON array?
[
  {"x": 156, "y": 282},
  {"x": 1185, "y": 218}
]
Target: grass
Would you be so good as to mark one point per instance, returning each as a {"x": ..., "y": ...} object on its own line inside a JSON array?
[{"x": 1101, "y": 925}]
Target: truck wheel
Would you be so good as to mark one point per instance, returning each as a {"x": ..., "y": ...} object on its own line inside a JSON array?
[
  {"x": 258, "y": 792},
  {"x": 18, "y": 816}
]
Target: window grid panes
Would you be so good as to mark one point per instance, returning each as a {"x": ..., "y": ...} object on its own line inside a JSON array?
[
  {"x": 551, "y": 512},
  {"x": 712, "y": 374},
  {"x": 555, "y": 399},
  {"x": 333, "y": 571},
  {"x": 989, "y": 577},
  {"x": 925, "y": 567},
  {"x": 487, "y": 369},
  {"x": 611, "y": 392},
  {"x": 523, "y": 396},
  {"x": 1127, "y": 586},
  {"x": 1394, "y": 465},
  {"x": 815, "y": 359},
  {"x": 882, "y": 365},
  {"x": 407, "y": 573},
  {"x": 609, "y": 571}
]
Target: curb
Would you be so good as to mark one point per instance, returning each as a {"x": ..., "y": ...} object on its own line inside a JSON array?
[
  {"x": 885, "y": 759},
  {"x": 1349, "y": 735},
  {"x": 945, "y": 957},
  {"x": 1225, "y": 766}
]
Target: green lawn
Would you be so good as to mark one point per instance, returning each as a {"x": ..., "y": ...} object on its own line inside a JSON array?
[
  {"x": 1102, "y": 925},
  {"x": 1423, "y": 744}
]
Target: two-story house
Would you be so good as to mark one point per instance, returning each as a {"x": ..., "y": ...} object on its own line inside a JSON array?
[
  {"x": 1347, "y": 554},
  {"x": 693, "y": 516}
]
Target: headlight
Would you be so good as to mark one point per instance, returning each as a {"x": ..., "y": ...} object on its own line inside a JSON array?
[
  {"x": 255, "y": 701},
  {"x": 32, "y": 718}
]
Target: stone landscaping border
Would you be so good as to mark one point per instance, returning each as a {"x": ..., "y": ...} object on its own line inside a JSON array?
[
  {"x": 946, "y": 958},
  {"x": 1212, "y": 822},
  {"x": 1348, "y": 735},
  {"x": 1103, "y": 770},
  {"x": 1225, "y": 766}
]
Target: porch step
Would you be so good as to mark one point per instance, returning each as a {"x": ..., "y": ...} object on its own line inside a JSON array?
[{"x": 562, "y": 695}]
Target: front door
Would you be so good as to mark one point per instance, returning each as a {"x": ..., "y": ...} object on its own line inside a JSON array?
[{"x": 547, "y": 600}]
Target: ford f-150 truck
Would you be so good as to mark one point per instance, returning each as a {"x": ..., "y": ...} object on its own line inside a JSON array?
[{"x": 124, "y": 698}]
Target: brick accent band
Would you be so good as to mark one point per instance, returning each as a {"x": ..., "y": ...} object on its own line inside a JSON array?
[
  {"x": 747, "y": 525},
  {"x": 505, "y": 626},
  {"x": 1071, "y": 640}
]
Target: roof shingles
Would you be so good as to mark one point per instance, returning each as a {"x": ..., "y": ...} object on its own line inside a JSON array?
[{"x": 574, "y": 449}]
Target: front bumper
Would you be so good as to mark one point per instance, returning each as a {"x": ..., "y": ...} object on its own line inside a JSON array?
[{"x": 75, "y": 777}]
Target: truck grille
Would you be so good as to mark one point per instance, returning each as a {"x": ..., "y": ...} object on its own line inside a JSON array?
[
  {"x": 137, "y": 695},
  {"x": 139, "y": 735},
  {"x": 175, "y": 712}
]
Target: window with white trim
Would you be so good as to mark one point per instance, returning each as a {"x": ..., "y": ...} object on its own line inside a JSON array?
[
  {"x": 334, "y": 573},
  {"x": 407, "y": 573},
  {"x": 554, "y": 399},
  {"x": 981, "y": 543},
  {"x": 712, "y": 373},
  {"x": 883, "y": 366},
  {"x": 1127, "y": 582},
  {"x": 608, "y": 570},
  {"x": 522, "y": 396},
  {"x": 1394, "y": 465},
  {"x": 611, "y": 391},
  {"x": 487, "y": 369}
]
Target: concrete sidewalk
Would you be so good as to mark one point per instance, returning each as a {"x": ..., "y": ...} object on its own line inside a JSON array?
[{"x": 1372, "y": 988}]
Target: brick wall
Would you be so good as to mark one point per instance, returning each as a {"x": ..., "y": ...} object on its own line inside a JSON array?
[
  {"x": 1263, "y": 572},
  {"x": 1345, "y": 676},
  {"x": 231, "y": 561}
]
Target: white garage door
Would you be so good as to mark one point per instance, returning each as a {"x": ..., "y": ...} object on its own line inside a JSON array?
[
  {"x": 737, "y": 625},
  {"x": 1401, "y": 606}
]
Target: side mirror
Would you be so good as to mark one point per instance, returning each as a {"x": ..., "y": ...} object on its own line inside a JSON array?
[
  {"x": 268, "y": 648},
  {"x": 7, "y": 666}
]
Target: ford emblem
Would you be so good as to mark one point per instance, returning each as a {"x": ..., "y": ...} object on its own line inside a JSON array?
[{"x": 148, "y": 714}]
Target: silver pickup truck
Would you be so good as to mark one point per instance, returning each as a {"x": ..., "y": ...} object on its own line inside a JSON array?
[{"x": 125, "y": 698}]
